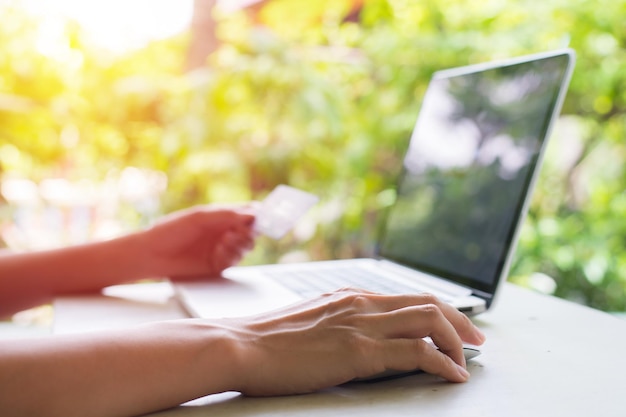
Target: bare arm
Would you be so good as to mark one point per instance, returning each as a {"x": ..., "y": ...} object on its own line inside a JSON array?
[
  {"x": 29, "y": 279},
  {"x": 298, "y": 349},
  {"x": 121, "y": 373},
  {"x": 195, "y": 243}
]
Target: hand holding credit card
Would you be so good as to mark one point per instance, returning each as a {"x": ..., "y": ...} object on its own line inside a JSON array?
[{"x": 281, "y": 209}]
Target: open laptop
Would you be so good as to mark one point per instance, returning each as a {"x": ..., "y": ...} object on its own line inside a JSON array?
[{"x": 462, "y": 195}]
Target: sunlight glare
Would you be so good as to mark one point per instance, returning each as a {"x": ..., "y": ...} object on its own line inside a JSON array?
[{"x": 119, "y": 25}]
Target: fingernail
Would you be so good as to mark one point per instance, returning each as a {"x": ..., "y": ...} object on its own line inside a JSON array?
[
  {"x": 480, "y": 334},
  {"x": 463, "y": 372}
]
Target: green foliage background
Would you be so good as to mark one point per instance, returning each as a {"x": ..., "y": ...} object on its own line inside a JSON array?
[{"x": 328, "y": 106}]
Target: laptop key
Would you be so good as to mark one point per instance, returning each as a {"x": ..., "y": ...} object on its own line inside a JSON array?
[{"x": 309, "y": 283}]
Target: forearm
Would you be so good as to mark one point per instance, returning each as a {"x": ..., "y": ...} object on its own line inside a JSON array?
[
  {"x": 121, "y": 373},
  {"x": 300, "y": 348},
  {"x": 191, "y": 244},
  {"x": 29, "y": 279}
]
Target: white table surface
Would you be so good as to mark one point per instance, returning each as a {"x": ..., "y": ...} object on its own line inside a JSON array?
[{"x": 543, "y": 357}]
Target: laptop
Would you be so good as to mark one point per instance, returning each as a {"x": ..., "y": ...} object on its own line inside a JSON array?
[{"x": 466, "y": 180}]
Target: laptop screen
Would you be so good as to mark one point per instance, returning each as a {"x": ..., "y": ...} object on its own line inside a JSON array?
[{"x": 469, "y": 167}]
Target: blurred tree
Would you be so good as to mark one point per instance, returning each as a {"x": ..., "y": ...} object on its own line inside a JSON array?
[
  {"x": 321, "y": 100},
  {"x": 203, "y": 34}
]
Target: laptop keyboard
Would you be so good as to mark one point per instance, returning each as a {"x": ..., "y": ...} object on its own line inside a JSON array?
[{"x": 309, "y": 283}]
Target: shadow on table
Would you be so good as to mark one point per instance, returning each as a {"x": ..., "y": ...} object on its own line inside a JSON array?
[{"x": 419, "y": 392}]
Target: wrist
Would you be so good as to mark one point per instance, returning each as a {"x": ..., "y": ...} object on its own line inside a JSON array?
[
  {"x": 135, "y": 247},
  {"x": 246, "y": 360},
  {"x": 222, "y": 361},
  {"x": 110, "y": 262}
]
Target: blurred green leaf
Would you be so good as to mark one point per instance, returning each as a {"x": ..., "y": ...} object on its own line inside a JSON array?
[{"x": 328, "y": 105}]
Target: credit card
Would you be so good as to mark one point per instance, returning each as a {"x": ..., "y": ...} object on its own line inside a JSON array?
[{"x": 281, "y": 209}]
